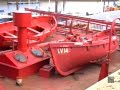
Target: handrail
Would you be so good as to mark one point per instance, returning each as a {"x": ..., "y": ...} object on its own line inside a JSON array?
[
  {"x": 70, "y": 16},
  {"x": 112, "y": 31}
]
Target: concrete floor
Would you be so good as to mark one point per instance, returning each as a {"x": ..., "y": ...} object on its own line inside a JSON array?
[{"x": 78, "y": 81}]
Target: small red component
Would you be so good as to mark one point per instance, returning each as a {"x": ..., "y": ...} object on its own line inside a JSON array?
[
  {"x": 22, "y": 19},
  {"x": 104, "y": 70},
  {"x": 46, "y": 71}
]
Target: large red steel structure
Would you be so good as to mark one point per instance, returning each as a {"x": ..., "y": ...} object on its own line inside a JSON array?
[
  {"x": 25, "y": 60},
  {"x": 22, "y": 21},
  {"x": 41, "y": 27},
  {"x": 70, "y": 56},
  {"x": 76, "y": 50},
  {"x": 73, "y": 46},
  {"x": 105, "y": 64}
]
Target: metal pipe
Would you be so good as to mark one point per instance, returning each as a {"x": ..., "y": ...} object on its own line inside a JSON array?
[
  {"x": 103, "y": 5},
  {"x": 108, "y": 2},
  {"x": 64, "y": 2},
  {"x": 105, "y": 64},
  {"x": 17, "y": 6},
  {"x": 112, "y": 31},
  {"x": 22, "y": 20},
  {"x": 22, "y": 38},
  {"x": 56, "y": 6},
  {"x": 71, "y": 25},
  {"x": 29, "y": 3},
  {"x": 110, "y": 36},
  {"x": 70, "y": 16},
  {"x": 49, "y": 5},
  {"x": 114, "y": 3}
]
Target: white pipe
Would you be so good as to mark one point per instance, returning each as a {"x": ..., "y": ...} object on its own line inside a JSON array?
[
  {"x": 49, "y": 5},
  {"x": 29, "y": 3},
  {"x": 49, "y": 2}
]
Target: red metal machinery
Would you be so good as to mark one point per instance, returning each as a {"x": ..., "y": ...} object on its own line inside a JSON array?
[
  {"x": 63, "y": 53},
  {"x": 40, "y": 29},
  {"x": 47, "y": 71},
  {"x": 25, "y": 60},
  {"x": 105, "y": 64},
  {"x": 69, "y": 19}
]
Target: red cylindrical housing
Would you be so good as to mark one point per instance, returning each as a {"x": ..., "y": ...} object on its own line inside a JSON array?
[
  {"x": 22, "y": 39},
  {"x": 22, "y": 20}
]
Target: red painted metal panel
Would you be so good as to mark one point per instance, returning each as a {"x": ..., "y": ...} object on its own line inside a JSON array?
[
  {"x": 22, "y": 19},
  {"x": 21, "y": 69},
  {"x": 47, "y": 71},
  {"x": 41, "y": 28},
  {"x": 68, "y": 57},
  {"x": 65, "y": 16},
  {"x": 24, "y": 60}
]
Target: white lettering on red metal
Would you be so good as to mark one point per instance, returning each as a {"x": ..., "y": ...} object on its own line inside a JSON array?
[{"x": 62, "y": 50}]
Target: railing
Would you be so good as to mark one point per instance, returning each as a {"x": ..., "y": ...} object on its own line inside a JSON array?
[{"x": 68, "y": 20}]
